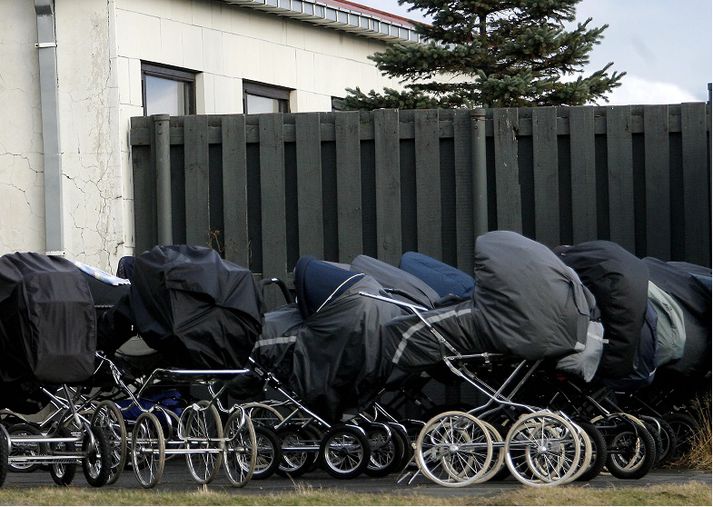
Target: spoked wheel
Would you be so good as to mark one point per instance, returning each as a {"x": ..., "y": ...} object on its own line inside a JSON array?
[
  {"x": 684, "y": 428},
  {"x": 262, "y": 414},
  {"x": 25, "y": 448},
  {"x": 542, "y": 449},
  {"x": 62, "y": 473},
  {"x": 632, "y": 449},
  {"x": 108, "y": 417},
  {"x": 202, "y": 430},
  {"x": 586, "y": 452},
  {"x": 668, "y": 439},
  {"x": 599, "y": 452},
  {"x": 240, "y": 448},
  {"x": 454, "y": 449},
  {"x": 96, "y": 463},
  {"x": 387, "y": 450},
  {"x": 498, "y": 462},
  {"x": 344, "y": 452},
  {"x": 148, "y": 450},
  {"x": 4, "y": 454},
  {"x": 296, "y": 460},
  {"x": 268, "y": 454}
]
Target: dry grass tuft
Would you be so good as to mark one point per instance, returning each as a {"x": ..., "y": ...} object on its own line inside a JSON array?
[{"x": 699, "y": 457}]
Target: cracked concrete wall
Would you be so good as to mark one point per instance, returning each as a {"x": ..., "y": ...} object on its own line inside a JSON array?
[
  {"x": 89, "y": 131},
  {"x": 21, "y": 163}
]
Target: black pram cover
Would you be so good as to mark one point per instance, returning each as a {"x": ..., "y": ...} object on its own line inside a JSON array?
[
  {"x": 47, "y": 321},
  {"x": 198, "y": 310},
  {"x": 526, "y": 304}
]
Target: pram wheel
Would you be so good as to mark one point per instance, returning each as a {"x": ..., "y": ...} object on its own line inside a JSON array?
[
  {"x": 498, "y": 462},
  {"x": 108, "y": 417},
  {"x": 585, "y": 455},
  {"x": 268, "y": 453},
  {"x": 296, "y": 462},
  {"x": 96, "y": 463},
  {"x": 4, "y": 454},
  {"x": 632, "y": 450},
  {"x": 684, "y": 428},
  {"x": 63, "y": 473},
  {"x": 148, "y": 450},
  {"x": 387, "y": 450},
  {"x": 454, "y": 449},
  {"x": 202, "y": 430},
  {"x": 240, "y": 450},
  {"x": 599, "y": 452},
  {"x": 542, "y": 449},
  {"x": 25, "y": 430},
  {"x": 344, "y": 452}
]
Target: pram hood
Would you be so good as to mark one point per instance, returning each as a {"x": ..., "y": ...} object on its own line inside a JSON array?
[
  {"x": 391, "y": 277},
  {"x": 332, "y": 359},
  {"x": 619, "y": 282},
  {"x": 48, "y": 328},
  {"x": 685, "y": 283},
  {"x": 198, "y": 310},
  {"x": 527, "y": 304},
  {"x": 441, "y": 277}
]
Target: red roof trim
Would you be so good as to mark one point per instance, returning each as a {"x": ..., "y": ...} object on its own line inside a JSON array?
[{"x": 346, "y": 4}]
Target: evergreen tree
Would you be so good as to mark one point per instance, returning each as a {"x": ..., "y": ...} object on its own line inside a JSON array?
[{"x": 492, "y": 53}]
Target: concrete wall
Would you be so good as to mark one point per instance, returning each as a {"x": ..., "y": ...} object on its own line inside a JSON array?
[{"x": 100, "y": 47}]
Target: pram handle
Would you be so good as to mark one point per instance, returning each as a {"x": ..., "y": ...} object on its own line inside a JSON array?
[
  {"x": 399, "y": 292},
  {"x": 282, "y": 285}
]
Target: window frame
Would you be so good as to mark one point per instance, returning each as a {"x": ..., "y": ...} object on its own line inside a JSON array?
[
  {"x": 174, "y": 74},
  {"x": 268, "y": 91}
]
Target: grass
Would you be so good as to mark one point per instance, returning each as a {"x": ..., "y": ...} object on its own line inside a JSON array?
[
  {"x": 699, "y": 457},
  {"x": 691, "y": 493}
]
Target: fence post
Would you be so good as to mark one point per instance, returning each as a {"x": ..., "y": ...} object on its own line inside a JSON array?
[
  {"x": 480, "y": 174},
  {"x": 162, "y": 146}
]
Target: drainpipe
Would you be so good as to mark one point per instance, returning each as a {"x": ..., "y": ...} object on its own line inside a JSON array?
[
  {"x": 162, "y": 145},
  {"x": 47, "y": 56}
]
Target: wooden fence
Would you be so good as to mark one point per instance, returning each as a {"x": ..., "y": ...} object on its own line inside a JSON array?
[{"x": 265, "y": 189}]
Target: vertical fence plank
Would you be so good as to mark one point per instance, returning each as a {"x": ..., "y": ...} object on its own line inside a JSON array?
[
  {"x": 546, "y": 175},
  {"x": 507, "y": 176},
  {"x": 584, "y": 184},
  {"x": 195, "y": 134},
  {"x": 462, "y": 157},
  {"x": 349, "y": 208},
  {"x": 621, "y": 177},
  {"x": 388, "y": 185},
  {"x": 658, "y": 189},
  {"x": 235, "y": 190},
  {"x": 272, "y": 194},
  {"x": 309, "y": 184},
  {"x": 428, "y": 183},
  {"x": 144, "y": 180},
  {"x": 696, "y": 183}
]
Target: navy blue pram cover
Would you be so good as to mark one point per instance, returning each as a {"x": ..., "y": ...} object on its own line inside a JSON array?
[{"x": 441, "y": 277}]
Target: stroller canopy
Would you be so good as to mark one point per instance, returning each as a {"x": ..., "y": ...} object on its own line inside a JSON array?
[
  {"x": 619, "y": 282},
  {"x": 526, "y": 304},
  {"x": 441, "y": 277},
  {"x": 332, "y": 357},
  {"x": 685, "y": 283},
  {"x": 392, "y": 277},
  {"x": 47, "y": 322},
  {"x": 198, "y": 310}
]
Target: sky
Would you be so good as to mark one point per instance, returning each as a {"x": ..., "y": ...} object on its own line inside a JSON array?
[{"x": 663, "y": 45}]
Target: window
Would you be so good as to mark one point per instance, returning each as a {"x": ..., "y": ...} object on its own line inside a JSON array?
[
  {"x": 261, "y": 98},
  {"x": 168, "y": 90}
]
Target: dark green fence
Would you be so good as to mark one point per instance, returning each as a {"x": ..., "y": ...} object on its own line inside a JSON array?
[{"x": 265, "y": 189}]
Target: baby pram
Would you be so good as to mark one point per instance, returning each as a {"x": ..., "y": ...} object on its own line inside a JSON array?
[{"x": 48, "y": 336}]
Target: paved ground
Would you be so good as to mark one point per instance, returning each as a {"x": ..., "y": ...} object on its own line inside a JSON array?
[{"x": 177, "y": 478}]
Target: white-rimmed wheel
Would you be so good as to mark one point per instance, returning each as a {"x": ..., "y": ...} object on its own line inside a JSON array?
[
  {"x": 202, "y": 431},
  {"x": 148, "y": 450},
  {"x": 454, "y": 449},
  {"x": 268, "y": 453},
  {"x": 498, "y": 461},
  {"x": 586, "y": 452},
  {"x": 344, "y": 452},
  {"x": 240, "y": 452},
  {"x": 108, "y": 417},
  {"x": 542, "y": 449},
  {"x": 631, "y": 448}
]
